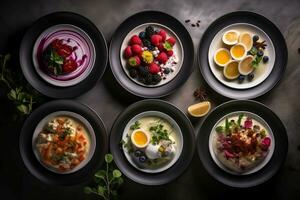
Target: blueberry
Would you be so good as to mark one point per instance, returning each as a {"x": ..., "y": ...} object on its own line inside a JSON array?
[
  {"x": 260, "y": 53},
  {"x": 167, "y": 70},
  {"x": 142, "y": 159},
  {"x": 255, "y": 38},
  {"x": 241, "y": 78},
  {"x": 250, "y": 76},
  {"x": 265, "y": 59},
  {"x": 142, "y": 35},
  {"x": 138, "y": 153}
]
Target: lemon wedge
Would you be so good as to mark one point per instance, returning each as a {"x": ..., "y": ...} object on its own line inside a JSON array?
[{"x": 199, "y": 109}]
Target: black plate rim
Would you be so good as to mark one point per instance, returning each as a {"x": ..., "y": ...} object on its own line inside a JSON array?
[
  {"x": 35, "y": 30},
  {"x": 284, "y": 58},
  {"x": 36, "y": 169},
  {"x": 168, "y": 175},
  {"x": 189, "y": 72},
  {"x": 261, "y": 176}
]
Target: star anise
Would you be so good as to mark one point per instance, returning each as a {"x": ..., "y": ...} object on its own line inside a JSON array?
[
  {"x": 200, "y": 93},
  {"x": 258, "y": 44}
]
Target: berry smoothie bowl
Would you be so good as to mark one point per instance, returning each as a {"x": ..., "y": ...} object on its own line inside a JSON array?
[
  {"x": 63, "y": 55},
  {"x": 151, "y": 55}
]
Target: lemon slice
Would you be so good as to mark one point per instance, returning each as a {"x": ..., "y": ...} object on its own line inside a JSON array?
[
  {"x": 231, "y": 37},
  {"x": 231, "y": 70},
  {"x": 246, "y": 39},
  {"x": 199, "y": 109}
]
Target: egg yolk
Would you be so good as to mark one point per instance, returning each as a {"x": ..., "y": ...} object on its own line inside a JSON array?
[
  {"x": 231, "y": 36},
  {"x": 140, "y": 138},
  {"x": 232, "y": 69},
  {"x": 222, "y": 57},
  {"x": 238, "y": 51}
]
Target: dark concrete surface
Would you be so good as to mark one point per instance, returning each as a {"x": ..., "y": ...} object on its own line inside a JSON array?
[{"x": 105, "y": 98}]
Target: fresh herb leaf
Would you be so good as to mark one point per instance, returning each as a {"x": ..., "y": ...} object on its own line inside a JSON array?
[
  {"x": 107, "y": 180},
  {"x": 18, "y": 90},
  {"x": 220, "y": 129},
  {"x": 241, "y": 115},
  {"x": 158, "y": 133},
  {"x": 135, "y": 126},
  {"x": 256, "y": 61},
  {"x": 117, "y": 173},
  {"x": 253, "y": 51},
  {"x": 227, "y": 126},
  {"x": 108, "y": 158}
]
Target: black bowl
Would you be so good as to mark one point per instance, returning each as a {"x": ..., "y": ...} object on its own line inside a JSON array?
[
  {"x": 188, "y": 142},
  {"x": 33, "y": 33},
  {"x": 253, "y": 179},
  {"x": 115, "y": 46},
  {"x": 269, "y": 28},
  {"x": 42, "y": 173}
]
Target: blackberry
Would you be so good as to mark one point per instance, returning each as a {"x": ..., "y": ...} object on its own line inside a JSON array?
[
  {"x": 150, "y": 31},
  {"x": 143, "y": 71},
  {"x": 142, "y": 35},
  {"x": 156, "y": 79},
  {"x": 146, "y": 43},
  {"x": 141, "y": 79},
  {"x": 148, "y": 79},
  {"x": 133, "y": 72}
]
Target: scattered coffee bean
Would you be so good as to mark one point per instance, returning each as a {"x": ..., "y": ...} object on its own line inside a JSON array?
[
  {"x": 193, "y": 25},
  {"x": 187, "y": 21}
]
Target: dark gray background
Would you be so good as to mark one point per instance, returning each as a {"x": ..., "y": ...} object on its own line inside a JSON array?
[{"x": 195, "y": 183}]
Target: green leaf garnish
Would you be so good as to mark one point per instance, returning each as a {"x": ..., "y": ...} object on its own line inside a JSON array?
[
  {"x": 226, "y": 125},
  {"x": 256, "y": 61},
  {"x": 241, "y": 115},
  {"x": 117, "y": 173},
  {"x": 220, "y": 129},
  {"x": 108, "y": 158},
  {"x": 158, "y": 133},
  {"x": 135, "y": 126},
  {"x": 167, "y": 46},
  {"x": 107, "y": 180},
  {"x": 253, "y": 51}
]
